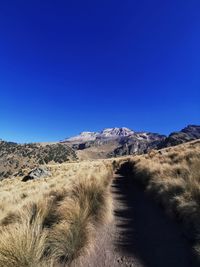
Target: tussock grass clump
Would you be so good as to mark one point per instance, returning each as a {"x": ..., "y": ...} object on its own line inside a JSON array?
[
  {"x": 69, "y": 238},
  {"x": 56, "y": 222},
  {"x": 172, "y": 177},
  {"x": 23, "y": 243}
]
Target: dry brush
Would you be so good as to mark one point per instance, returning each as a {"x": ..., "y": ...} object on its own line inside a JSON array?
[
  {"x": 52, "y": 221},
  {"x": 172, "y": 177}
]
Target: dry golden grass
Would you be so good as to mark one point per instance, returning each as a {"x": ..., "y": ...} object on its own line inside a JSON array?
[
  {"x": 172, "y": 176},
  {"x": 52, "y": 220}
]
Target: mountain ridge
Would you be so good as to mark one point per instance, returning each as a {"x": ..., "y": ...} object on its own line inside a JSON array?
[
  {"x": 115, "y": 132},
  {"x": 125, "y": 141},
  {"x": 105, "y": 133},
  {"x": 110, "y": 142}
]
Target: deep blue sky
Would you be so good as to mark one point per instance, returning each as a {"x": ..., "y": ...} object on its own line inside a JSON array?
[{"x": 69, "y": 66}]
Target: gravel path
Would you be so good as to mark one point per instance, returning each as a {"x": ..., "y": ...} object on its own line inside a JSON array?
[{"x": 140, "y": 235}]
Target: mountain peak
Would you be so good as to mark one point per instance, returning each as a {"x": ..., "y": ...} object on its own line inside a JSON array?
[
  {"x": 116, "y": 132},
  {"x": 107, "y": 133}
]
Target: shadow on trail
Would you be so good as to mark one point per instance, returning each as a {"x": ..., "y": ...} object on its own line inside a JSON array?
[{"x": 145, "y": 231}]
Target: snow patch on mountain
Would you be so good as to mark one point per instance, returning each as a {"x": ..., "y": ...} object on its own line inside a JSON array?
[
  {"x": 115, "y": 132},
  {"x": 108, "y": 133},
  {"x": 83, "y": 137}
]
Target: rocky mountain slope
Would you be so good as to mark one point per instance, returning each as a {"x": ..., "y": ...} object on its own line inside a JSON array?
[
  {"x": 112, "y": 142},
  {"x": 16, "y": 157},
  {"x": 138, "y": 144},
  {"x": 189, "y": 133}
]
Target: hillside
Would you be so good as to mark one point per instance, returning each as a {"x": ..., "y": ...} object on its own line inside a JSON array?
[
  {"x": 189, "y": 133},
  {"x": 14, "y": 158},
  {"x": 81, "y": 214}
]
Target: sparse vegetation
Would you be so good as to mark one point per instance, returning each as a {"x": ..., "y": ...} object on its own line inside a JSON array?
[
  {"x": 172, "y": 177},
  {"x": 53, "y": 220},
  {"x": 15, "y": 158}
]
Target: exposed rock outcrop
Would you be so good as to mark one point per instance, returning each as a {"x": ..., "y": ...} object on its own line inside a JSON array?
[
  {"x": 189, "y": 133},
  {"x": 37, "y": 173}
]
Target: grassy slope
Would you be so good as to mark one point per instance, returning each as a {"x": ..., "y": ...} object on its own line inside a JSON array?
[
  {"x": 53, "y": 220},
  {"x": 172, "y": 177}
]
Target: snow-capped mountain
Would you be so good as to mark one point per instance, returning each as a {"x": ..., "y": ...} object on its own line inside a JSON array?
[
  {"x": 111, "y": 134},
  {"x": 116, "y": 141},
  {"x": 115, "y": 132},
  {"x": 108, "y": 133}
]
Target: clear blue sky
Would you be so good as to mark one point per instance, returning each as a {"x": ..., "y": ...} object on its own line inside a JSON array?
[{"x": 69, "y": 66}]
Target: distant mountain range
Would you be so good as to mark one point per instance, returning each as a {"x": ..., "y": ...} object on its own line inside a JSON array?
[
  {"x": 124, "y": 141},
  {"x": 110, "y": 142}
]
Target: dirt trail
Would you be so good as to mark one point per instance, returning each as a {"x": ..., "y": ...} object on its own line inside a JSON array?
[{"x": 140, "y": 235}]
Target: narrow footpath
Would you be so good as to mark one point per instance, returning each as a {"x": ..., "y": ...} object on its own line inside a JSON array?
[{"x": 140, "y": 235}]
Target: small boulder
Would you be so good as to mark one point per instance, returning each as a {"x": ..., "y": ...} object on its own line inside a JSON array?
[{"x": 36, "y": 173}]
